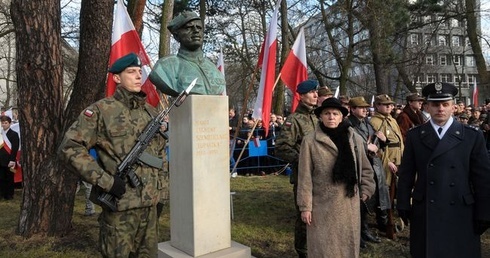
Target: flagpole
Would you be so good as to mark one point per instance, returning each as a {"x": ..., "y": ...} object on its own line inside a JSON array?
[
  {"x": 244, "y": 146},
  {"x": 242, "y": 113}
]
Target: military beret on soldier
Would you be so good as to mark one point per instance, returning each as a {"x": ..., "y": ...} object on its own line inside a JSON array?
[
  {"x": 358, "y": 102},
  {"x": 307, "y": 86},
  {"x": 181, "y": 19},
  {"x": 439, "y": 91},
  {"x": 383, "y": 99},
  {"x": 415, "y": 97},
  {"x": 129, "y": 60}
]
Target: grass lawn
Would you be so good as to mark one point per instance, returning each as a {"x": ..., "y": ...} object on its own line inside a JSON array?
[{"x": 264, "y": 221}]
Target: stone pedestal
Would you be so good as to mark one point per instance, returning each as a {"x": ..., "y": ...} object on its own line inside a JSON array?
[{"x": 200, "y": 223}]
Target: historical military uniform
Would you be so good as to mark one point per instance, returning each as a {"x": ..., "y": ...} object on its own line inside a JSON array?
[
  {"x": 172, "y": 74},
  {"x": 388, "y": 125},
  {"x": 410, "y": 118},
  {"x": 288, "y": 143},
  {"x": 444, "y": 185},
  {"x": 111, "y": 127}
]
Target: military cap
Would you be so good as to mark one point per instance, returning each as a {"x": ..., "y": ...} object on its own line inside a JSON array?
[
  {"x": 181, "y": 19},
  {"x": 124, "y": 62},
  {"x": 344, "y": 99},
  {"x": 358, "y": 102},
  {"x": 383, "y": 99},
  {"x": 463, "y": 116},
  {"x": 331, "y": 103},
  {"x": 414, "y": 97},
  {"x": 324, "y": 91},
  {"x": 439, "y": 91},
  {"x": 307, "y": 86}
]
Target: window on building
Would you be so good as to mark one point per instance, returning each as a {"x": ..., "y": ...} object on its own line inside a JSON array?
[
  {"x": 427, "y": 19},
  {"x": 456, "y": 60},
  {"x": 471, "y": 78},
  {"x": 414, "y": 39},
  {"x": 442, "y": 40},
  {"x": 442, "y": 60},
  {"x": 419, "y": 78},
  {"x": 454, "y": 23},
  {"x": 458, "y": 78},
  {"x": 431, "y": 78},
  {"x": 470, "y": 61},
  {"x": 446, "y": 77},
  {"x": 428, "y": 39},
  {"x": 467, "y": 42},
  {"x": 456, "y": 41},
  {"x": 429, "y": 59}
]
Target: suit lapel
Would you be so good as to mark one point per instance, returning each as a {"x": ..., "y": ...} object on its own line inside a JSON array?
[
  {"x": 451, "y": 139},
  {"x": 428, "y": 136}
]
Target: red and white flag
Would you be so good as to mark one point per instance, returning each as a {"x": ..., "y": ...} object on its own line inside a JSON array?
[
  {"x": 294, "y": 69},
  {"x": 263, "y": 102},
  {"x": 125, "y": 40},
  {"x": 221, "y": 67},
  {"x": 475, "y": 96}
]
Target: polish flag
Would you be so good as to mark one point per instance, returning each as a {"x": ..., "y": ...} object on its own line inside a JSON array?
[
  {"x": 125, "y": 40},
  {"x": 475, "y": 96},
  {"x": 221, "y": 66},
  {"x": 294, "y": 69},
  {"x": 263, "y": 102}
]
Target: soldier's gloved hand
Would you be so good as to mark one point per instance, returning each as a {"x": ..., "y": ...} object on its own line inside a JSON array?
[
  {"x": 404, "y": 215},
  {"x": 118, "y": 187},
  {"x": 481, "y": 226}
]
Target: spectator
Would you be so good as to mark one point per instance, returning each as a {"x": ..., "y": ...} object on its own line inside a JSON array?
[
  {"x": 372, "y": 141},
  {"x": 392, "y": 154},
  {"x": 425, "y": 111},
  {"x": 411, "y": 115},
  {"x": 8, "y": 155},
  {"x": 323, "y": 93},
  {"x": 444, "y": 184},
  {"x": 297, "y": 125},
  {"x": 334, "y": 174}
]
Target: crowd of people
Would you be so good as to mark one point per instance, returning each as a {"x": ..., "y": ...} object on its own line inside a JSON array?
[{"x": 424, "y": 162}]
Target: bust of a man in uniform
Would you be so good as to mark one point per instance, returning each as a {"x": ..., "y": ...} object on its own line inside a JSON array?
[{"x": 172, "y": 74}]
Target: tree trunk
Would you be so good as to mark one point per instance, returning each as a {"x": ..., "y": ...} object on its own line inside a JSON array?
[
  {"x": 167, "y": 12},
  {"x": 136, "y": 9},
  {"x": 472, "y": 29},
  {"x": 40, "y": 79},
  {"x": 49, "y": 190},
  {"x": 278, "y": 105}
]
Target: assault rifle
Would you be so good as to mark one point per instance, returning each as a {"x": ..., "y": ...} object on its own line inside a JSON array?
[{"x": 125, "y": 169}]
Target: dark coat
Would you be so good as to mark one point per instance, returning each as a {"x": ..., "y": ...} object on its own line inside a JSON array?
[
  {"x": 376, "y": 162},
  {"x": 6, "y": 157},
  {"x": 450, "y": 179}
]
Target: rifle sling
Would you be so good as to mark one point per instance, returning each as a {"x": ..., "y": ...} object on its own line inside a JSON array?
[{"x": 151, "y": 160}]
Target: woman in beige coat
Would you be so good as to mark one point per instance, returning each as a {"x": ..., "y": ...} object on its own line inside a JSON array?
[{"x": 334, "y": 172}]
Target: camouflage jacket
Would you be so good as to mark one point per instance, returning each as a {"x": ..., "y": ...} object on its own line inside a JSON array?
[
  {"x": 297, "y": 125},
  {"x": 111, "y": 126}
]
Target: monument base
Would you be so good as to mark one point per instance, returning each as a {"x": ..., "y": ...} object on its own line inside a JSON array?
[{"x": 165, "y": 250}]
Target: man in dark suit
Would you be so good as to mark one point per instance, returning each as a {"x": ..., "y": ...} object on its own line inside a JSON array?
[
  {"x": 8, "y": 154},
  {"x": 445, "y": 170}
]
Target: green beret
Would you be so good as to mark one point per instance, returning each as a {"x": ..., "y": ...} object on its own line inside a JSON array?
[
  {"x": 181, "y": 19},
  {"x": 124, "y": 62}
]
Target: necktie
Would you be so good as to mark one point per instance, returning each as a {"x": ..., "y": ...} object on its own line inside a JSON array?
[{"x": 439, "y": 130}]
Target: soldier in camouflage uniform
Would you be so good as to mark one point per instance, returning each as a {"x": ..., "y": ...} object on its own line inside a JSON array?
[
  {"x": 297, "y": 125},
  {"x": 111, "y": 126}
]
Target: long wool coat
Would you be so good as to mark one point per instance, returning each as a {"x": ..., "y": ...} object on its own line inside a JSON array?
[
  {"x": 335, "y": 228},
  {"x": 446, "y": 185}
]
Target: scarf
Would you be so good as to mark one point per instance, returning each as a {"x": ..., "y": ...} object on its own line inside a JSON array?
[{"x": 344, "y": 169}]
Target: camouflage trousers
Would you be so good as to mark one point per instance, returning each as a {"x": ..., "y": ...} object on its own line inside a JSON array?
[{"x": 131, "y": 233}]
